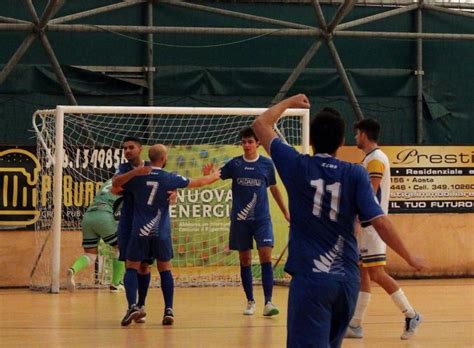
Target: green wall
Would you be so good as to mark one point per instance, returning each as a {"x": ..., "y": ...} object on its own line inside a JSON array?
[{"x": 249, "y": 73}]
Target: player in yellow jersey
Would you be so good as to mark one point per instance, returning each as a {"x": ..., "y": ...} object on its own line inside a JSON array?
[{"x": 372, "y": 248}]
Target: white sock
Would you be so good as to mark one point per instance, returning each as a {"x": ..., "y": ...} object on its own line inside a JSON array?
[
  {"x": 361, "y": 307},
  {"x": 401, "y": 302}
]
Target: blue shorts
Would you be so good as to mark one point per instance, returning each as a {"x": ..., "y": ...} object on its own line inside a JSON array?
[
  {"x": 319, "y": 311},
  {"x": 123, "y": 235},
  {"x": 146, "y": 249},
  {"x": 242, "y": 234}
]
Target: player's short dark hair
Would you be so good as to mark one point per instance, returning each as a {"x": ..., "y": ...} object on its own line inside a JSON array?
[
  {"x": 370, "y": 127},
  {"x": 327, "y": 131},
  {"x": 247, "y": 132},
  {"x": 134, "y": 139}
]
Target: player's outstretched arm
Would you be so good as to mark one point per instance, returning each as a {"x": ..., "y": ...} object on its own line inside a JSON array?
[
  {"x": 119, "y": 180},
  {"x": 205, "y": 180},
  {"x": 389, "y": 235},
  {"x": 263, "y": 124},
  {"x": 279, "y": 199}
]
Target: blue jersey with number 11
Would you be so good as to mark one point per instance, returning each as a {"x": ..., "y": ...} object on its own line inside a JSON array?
[{"x": 325, "y": 196}]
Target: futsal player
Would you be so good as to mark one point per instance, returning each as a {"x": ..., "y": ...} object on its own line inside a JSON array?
[
  {"x": 325, "y": 196},
  {"x": 151, "y": 231},
  {"x": 372, "y": 247}
]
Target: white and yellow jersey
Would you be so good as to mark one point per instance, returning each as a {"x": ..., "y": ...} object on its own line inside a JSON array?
[{"x": 378, "y": 166}]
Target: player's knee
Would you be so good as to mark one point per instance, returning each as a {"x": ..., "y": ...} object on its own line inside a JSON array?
[
  {"x": 144, "y": 268},
  {"x": 245, "y": 261},
  {"x": 377, "y": 274},
  {"x": 90, "y": 257}
]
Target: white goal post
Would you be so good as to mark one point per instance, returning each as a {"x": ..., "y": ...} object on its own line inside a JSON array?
[{"x": 208, "y": 133}]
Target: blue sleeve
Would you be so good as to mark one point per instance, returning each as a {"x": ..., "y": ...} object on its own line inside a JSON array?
[
  {"x": 178, "y": 181},
  {"x": 367, "y": 205},
  {"x": 271, "y": 174},
  {"x": 122, "y": 169},
  {"x": 226, "y": 171},
  {"x": 285, "y": 158},
  {"x": 130, "y": 185}
]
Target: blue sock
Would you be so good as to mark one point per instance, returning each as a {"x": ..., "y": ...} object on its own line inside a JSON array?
[
  {"x": 130, "y": 281},
  {"x": 167, "y": 287},
  {"x": 143, "y": 285},
  {"x": 267, "y": 281},
  {"x": 247, "y": 280}
]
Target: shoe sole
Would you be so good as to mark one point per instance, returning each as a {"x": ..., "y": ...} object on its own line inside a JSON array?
[
  {"x": 70, "y": 284},
  {"x": 272, "y": 312},
  {"x": 403, "y": 337},
  {"x": 134, "y": 316},
  {"x": 168, "y": 320},
  {"x": 141, "y": 320}
]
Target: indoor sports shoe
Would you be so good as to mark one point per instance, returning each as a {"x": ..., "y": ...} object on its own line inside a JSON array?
[
  {"x": 270, "y": 310},
  {"x": 250, "y": 309},
  {"x": 116, "y": 288},
  {"x": 133, "y": 313},
  {"x": 141, "y": 320},
  {"x": 70, "y": 283},
  {"x": 354, "y": 332},
  {"x": 411, "y": 325},
  {"x": 168, "y": 317}
]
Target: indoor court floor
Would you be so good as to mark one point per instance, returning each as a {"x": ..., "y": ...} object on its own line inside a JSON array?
[{"x": 212, "y": 317}]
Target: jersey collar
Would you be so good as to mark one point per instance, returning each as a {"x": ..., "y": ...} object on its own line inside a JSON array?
[
  {"x": 251, "y": 161},
  {"x": 323, "y": 155}
]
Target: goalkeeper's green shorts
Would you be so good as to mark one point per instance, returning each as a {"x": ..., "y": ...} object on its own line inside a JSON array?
[{"x": 98, "y": 225}]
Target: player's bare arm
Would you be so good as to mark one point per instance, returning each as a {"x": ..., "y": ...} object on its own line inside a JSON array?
[
  {"x": 279, "y": 199},
  {"x": 375, "y": 182},
  {"x": 263, "y": 124},
  {"x": 389, "y": 235},
  {"x": 205, "y": 180},
  {"x": 119, "y": 180}
]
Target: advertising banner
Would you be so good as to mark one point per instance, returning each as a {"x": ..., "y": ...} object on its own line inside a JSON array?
[{"x": 427, "y": 179}]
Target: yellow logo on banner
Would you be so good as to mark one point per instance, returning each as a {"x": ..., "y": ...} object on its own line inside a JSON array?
[{"x": 16, "y": 200}]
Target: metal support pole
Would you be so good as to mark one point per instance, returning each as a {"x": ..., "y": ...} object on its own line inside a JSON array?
[
  {"x": 447, "y": 10},
  {"x": 16, "y": 57},
  {"x": 149, "y": 55},
  {"x": 57, "y": 68},
  {"x": 341, "y": 12},
  {"x": 95, "y": 11},
  {"x": 236, "y": 14},
  {"x": 181, "y": 30},
  {"x": 297, "y": 72},
  {"x": 12, "y": 20},
  {"x": 345, "y": 80},
  {"x": 319, "y": 14},
  {"x": 376, "y": 17},
  {"x": 419, "y": 77},
  {"x": 51, "y": 9},
  {"x": 337, "y": 60}
]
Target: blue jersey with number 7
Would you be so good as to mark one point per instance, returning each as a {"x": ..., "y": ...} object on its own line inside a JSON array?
[
  {"x": 325, "y": 196},
  {"x": 150, "y": 202}
]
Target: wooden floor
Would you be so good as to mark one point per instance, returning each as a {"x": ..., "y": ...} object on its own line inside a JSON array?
[{"x": 211, "y": 317}]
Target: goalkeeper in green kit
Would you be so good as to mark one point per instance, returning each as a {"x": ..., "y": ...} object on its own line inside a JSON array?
[{"x": 99, "y": 223}]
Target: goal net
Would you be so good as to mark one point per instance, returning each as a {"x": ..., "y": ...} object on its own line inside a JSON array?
[{"x": 91, "y": 139}]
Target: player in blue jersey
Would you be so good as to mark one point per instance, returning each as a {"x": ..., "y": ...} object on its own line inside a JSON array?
[
  {"x": 151, "y": 231},
  {"x": 251, "y": 175},
  {"x": 325, "y": 196},
  {"x": 135, "y": 165}
]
